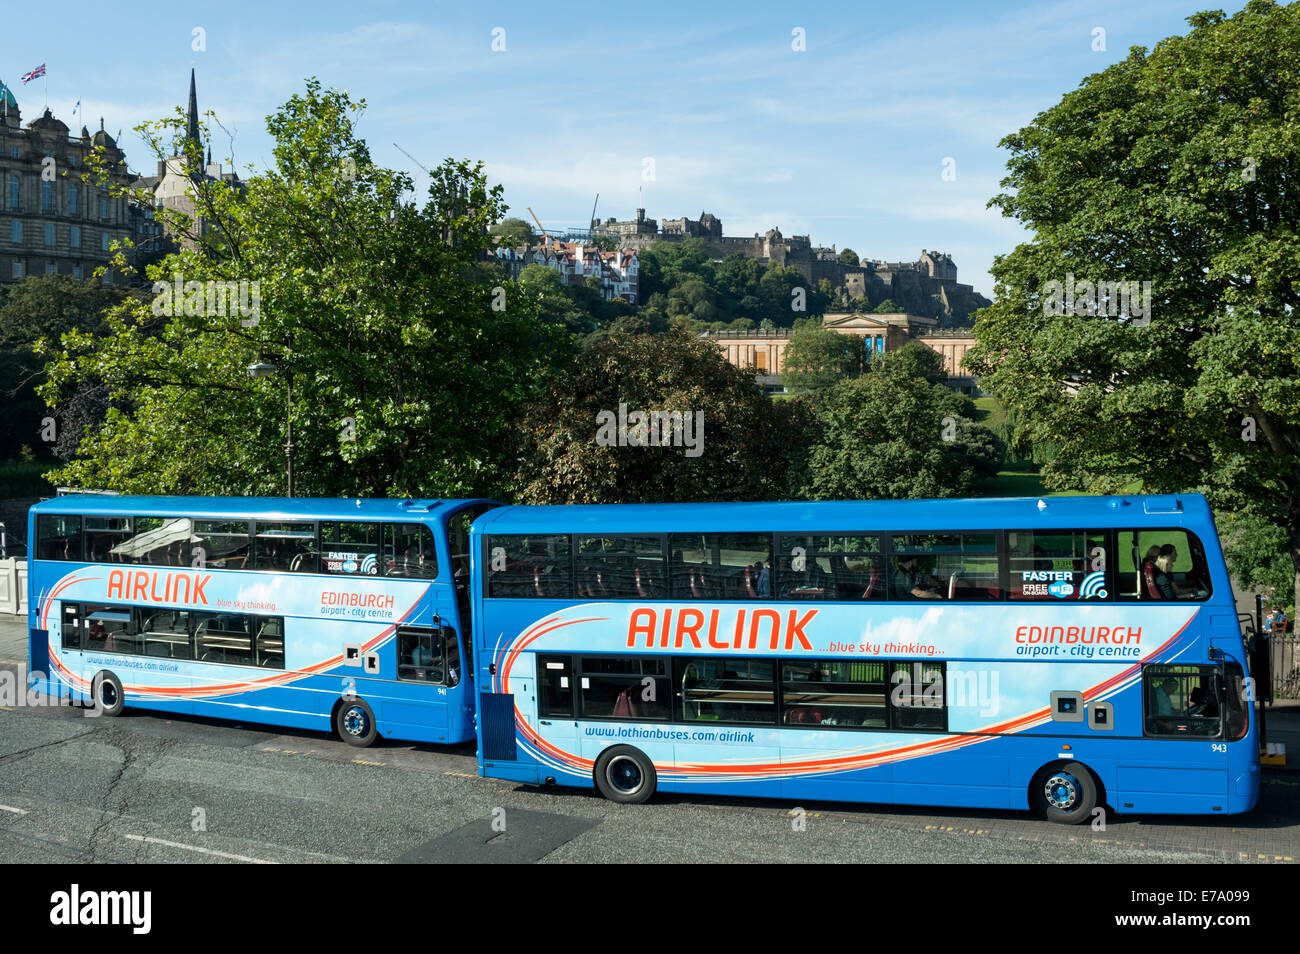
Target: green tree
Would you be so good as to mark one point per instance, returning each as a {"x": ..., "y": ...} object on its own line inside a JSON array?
[
  {"x": 513, "y": 231},
  {"x": 982, "y": 447},
  {"x": 1179, "y": 167},
  {"x": 849, "y": 257},
  {"x": 554, "y": 301},
  {"x": 815, "y": 358},
  {"x": 776, "y": 289},
  {"x": 40, "y": 309},
  {"x": 882, "y": 436},
  {"x": 888, "y": 307},
  {"x": 1256, "y": 554},
  {"x": 912, "y": 359},
  {"x": 742, "y": 447},
  {"x": 826, "y": 294},
  {"x": 665, "y": 265},
  {"x": 737, "y": 278},
  {"x": 406, "y": 370}
]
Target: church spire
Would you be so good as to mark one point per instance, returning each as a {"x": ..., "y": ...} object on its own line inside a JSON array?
[{"x": 192, "y": 129}]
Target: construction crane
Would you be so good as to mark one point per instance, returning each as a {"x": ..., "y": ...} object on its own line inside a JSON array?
[
  {"x": 545, "y": 240},
  {"x": 593, "y": 212},
  {"x": 412, "y": 158}
]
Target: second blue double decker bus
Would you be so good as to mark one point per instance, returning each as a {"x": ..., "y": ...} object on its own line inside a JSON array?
[{"x": 1049, "y": 654}]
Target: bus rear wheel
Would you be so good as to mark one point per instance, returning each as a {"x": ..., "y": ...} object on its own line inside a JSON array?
[
  {"x": 1065, "y": 794},
  {"x": 106, "y": 693},
  {"x": 355, "y": 723},
  {"x": 625, "y": 775}
]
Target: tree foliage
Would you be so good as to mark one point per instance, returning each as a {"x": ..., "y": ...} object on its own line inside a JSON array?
[
  {"x": 893, "y": 434},
  {"x": 1180, "y": 167},
  {"x": 406, "y": 367},
  {"x": 41, "y": 309},
  {"x": 513, "y": 231},
  {"x": 680, "y": 282},
  {"x": 748, "y": 442},
  {"x": 911, "y": 359},
  {"x": 815, "y": 358}
]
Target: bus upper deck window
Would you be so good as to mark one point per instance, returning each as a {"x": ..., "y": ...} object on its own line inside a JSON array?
[
  {"x": 58, "y": 536},
  {"x": 1161, "y": 566}
]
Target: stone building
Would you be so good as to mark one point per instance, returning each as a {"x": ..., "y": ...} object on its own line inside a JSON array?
[
  {"x": 630, "y": 231},
  {"x": 51, "y": 222},
  {"x": 764, "y": 350},
  {"x": 927, "y": 286},
  {"x": 618, "y": 270}
]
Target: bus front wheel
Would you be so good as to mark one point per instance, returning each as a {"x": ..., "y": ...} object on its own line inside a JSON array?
[
  {"x": 1065, "y": 793},
  {"x": 355, "y": 723},
  {"x": 106, "y": 691},
  {"x": 624, "y": 774}
]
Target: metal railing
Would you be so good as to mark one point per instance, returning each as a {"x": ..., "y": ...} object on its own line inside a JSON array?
[{"x": 1286, "y": 666}]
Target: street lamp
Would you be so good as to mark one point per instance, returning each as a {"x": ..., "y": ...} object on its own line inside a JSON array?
[{"x": 260, "y": 369}]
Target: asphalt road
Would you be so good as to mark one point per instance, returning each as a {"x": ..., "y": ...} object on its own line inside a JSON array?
[{"x": 148, "y": 787}]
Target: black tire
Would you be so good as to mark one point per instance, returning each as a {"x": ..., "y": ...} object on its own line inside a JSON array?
[
  {"x": 106, "y": 693},
  {"x": 1066, "y": 794},
  {"x": 354, "y": 721},
  {"x": 624, "y": 774}
]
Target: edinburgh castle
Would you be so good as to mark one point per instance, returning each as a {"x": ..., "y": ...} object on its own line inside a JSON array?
[{"x": 927, "y": 286}]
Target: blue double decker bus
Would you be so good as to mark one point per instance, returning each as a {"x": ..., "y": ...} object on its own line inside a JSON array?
[
  {"x": 1002, "y": 654},
  {"x": 315, "y": 614}
]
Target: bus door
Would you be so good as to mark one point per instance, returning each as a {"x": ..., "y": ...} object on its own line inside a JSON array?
[
  {"x": 425, "y": 704},
  {"x": 556, "y": 719},
  {"x": 1191, "y": 715}
]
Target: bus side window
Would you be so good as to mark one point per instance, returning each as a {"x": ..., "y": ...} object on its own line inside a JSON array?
[
  {"x": 408, "y": 551},
  {"x": 1235, "y": 706},
  {"x": 1161, "y": 566},
  {"x": 58, "y": 536},
  {"x": 1181, "y": 700},
  {"x": 71, "y": 624},
  {"x": 420, "y": 655}
]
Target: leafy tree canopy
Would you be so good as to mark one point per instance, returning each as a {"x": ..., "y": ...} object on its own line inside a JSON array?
[
  {"x": 40, "y": 309},
  {"x": 815, "y": 358},
  {"x": 1178, "y": 167},
  {"x": 514, "y": 231},
  {"x": 894, "y": 435},
  {"x": 739, "y": 445},
  {"x": 406, "y": 368}
]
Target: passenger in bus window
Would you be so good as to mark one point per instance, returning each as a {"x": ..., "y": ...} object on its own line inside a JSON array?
[
  {"x": 909, "y": 580},
  {"x": 1199, "y": 701},
  {"x": 1163, "y": 691},
  {"x": 1165, "y": 583}
]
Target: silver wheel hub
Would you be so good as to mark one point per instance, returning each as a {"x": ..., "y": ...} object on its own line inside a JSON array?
[
  {"x": 1061, "y": 791},
  {"x": 354, "y": 721}
]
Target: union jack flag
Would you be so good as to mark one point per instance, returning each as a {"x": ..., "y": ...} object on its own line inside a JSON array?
[{"x": 34, "y": 74}]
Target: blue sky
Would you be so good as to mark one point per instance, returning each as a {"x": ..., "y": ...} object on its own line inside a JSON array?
[{"x": 845, "y": 140}]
